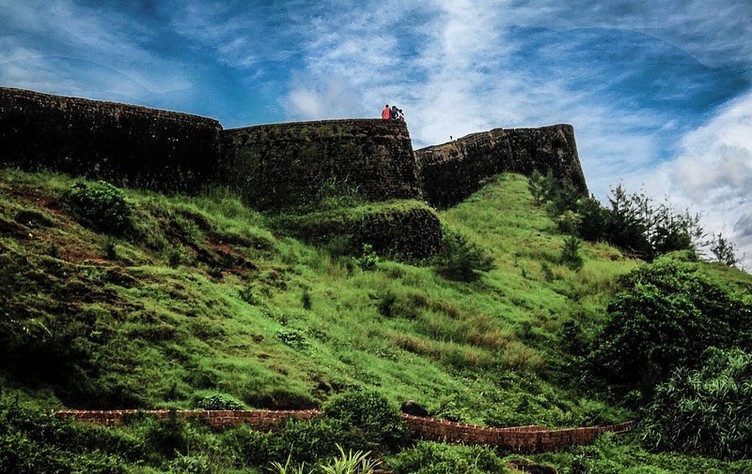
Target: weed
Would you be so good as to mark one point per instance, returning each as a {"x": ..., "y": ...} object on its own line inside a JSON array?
[
  {"x": 293, "y": 338},
  {"x": 306, "y": 300},
  {"x": 367, "y": 259},
  {"x": 218, "y": 401},
  {"x": 101, "y": 205}
]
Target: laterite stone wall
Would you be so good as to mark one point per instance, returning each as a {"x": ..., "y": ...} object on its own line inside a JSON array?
[
  {"x": 124, "y": 144},
  {"x": 451, "y": 172},
  {"x": 286, "y": 165}
]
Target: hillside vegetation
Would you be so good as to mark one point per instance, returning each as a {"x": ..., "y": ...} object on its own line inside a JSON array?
[{"x": 174, "y": 302}]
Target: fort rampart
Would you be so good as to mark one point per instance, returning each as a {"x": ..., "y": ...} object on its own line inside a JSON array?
[
  {"x": 370, "y": 157},
  {"x": 271, "y": 167},
  {"x": 452, "y": 171},
  {"x": 126, "y": 144}
]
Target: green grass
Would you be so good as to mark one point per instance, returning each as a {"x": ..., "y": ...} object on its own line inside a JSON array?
[{"x": 204, "y": 295}]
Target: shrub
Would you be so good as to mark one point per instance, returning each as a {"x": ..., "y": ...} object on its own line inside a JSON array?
[
  {"x": 100, "y": 205},
  {"x": 168, "y": 437},
  {"x": 368, "y": 418},
  {"x": 460, "y": 259},
  {"x": 570, "y": 255},
  {"x": 666, "y": 315},
  {"x": 34, "y": 440},
  {"x": 368, "y": 258},
  {"x": 218, "y": 402},
  {"x": 705, "y": 411},
  {"x": 294, "y": 338},
  {"x": 437, "y": 458}
]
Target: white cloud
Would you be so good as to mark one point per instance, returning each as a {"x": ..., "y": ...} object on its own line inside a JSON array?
[{"x": 713, "y": 174}]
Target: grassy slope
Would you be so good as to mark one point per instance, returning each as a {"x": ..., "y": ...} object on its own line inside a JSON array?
[{"x": 203, "y": 297}]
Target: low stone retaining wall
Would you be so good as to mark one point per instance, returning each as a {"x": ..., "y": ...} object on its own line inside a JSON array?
[{"x": 527, "y": 439}]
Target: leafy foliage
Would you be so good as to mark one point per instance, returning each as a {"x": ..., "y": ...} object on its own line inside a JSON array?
[
  {"x": 437, "y": 458},
  {"x": 632, "y": 222},
  {"x": 219, "y": 401},
  {"x": 667, "y": 314},
  {"x": 461, "y": 260},
  {"x": 707, "y": 410},
  {"x": 372, "y": 423},
  {"x": 723, "y": 250},
  {"x": 33, "y": 441},
  {"x": 101, "y": 205},
  {"x": 368, "y": 258}
]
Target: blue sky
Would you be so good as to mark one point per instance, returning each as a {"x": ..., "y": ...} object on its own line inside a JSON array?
[{"x": 659, "y": 93}]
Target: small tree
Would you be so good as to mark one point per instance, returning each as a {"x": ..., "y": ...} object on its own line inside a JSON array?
[{"x": 723, "y": 250}]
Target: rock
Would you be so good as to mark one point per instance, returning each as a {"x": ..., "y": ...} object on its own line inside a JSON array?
[{"x": 412, "y": 408}]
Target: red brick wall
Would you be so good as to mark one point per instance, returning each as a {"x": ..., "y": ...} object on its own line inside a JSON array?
[{"x": 518, "y": 438}]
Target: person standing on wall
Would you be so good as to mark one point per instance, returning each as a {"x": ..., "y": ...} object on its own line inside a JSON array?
[{"x": 386, "y": 113}]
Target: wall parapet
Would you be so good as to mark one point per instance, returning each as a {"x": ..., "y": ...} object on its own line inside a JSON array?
[
  {"x": 288, "y": 164},
  {"x": 527, "y": 439}
]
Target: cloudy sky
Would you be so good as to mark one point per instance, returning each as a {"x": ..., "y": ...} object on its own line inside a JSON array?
[{"x": 659, "y": 92}]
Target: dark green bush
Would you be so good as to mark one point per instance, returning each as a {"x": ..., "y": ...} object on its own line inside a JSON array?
[
  {"x": 570, "y": 255},
  {"x": 299, "y": 441},
  {"x": 437, "y": 458},
  {"x": 218, "y": 402},
  {"x": 100, "y": 205},
  {"x": 665, "y": 316},
  {"x": 371, "y": 423},
  {"x": 460, "y": 259},
  {"x": 705, "y": 411},
  {"x": 168, "y": 437},
  {"x": 33, "y": 440},
  {"x": 367, "y": 259}
]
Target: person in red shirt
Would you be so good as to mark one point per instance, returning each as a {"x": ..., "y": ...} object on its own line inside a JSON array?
[{"x": 386, "y": 113}]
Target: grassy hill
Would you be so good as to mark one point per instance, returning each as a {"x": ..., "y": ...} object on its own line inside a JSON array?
[{"x": 196, "y": 297}]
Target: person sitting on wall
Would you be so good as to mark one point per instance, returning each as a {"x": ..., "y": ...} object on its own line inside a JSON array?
[
  {"x": 400, "y": 115},
  {"x": 386, "y": 113},
  {"x": 393, "y": 113}
]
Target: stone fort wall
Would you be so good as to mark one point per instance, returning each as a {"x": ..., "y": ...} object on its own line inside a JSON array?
[
  {"x": 125, "y": 144},
  {"x": 371, "y": 157},
  {"x": 450, "y": 172},
  {"x": 270, "y": 166}
]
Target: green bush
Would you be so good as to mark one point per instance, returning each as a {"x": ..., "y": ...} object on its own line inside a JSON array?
[
  {"x": 437, "y": 458},
  {"x": 460, "y": 259},
  {"x": 705, "y": 411},
  {"x": 570, "y": 255},
  {"x": 368, "y": 258},
  {"x": 33, "y": 440},
  {"x": 664, "y": 318},
  {"x": 218, "y": 402},
  {"x": 295, "y": 440},
  {"x": 168, "y": 437},
  {"x": 100, "y": 205},
  {"x": 371, "y": 422}
]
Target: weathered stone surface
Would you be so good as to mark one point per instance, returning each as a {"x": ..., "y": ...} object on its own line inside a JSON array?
[
  {"x": 285, "y": 165},
  {"x": 450, "y": 172},
  {"x": 272, "y": 167},
  {"x": 125, "y": 144},
  {"x": 413, "y": 408},
  {"x": 406, "y": 230}
]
